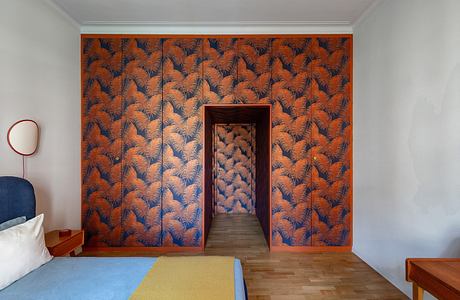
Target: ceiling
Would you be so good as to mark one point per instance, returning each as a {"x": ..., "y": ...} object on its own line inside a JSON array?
[{"x": 184, "y": 13}]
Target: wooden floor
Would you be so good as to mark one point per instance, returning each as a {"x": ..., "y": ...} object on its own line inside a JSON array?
[{"x": 290, "y": 276}]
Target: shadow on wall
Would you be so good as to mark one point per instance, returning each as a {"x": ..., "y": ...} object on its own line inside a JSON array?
[
  {"x": 453, "y": 249},
  {"x": 44, "y": 202},
  {"x": 435, "y": 152}
]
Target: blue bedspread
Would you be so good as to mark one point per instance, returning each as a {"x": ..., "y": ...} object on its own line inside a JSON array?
[{"x": 90, "y": 278}]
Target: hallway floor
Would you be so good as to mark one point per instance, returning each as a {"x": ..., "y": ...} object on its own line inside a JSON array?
[{"x": 288, "y": 276}]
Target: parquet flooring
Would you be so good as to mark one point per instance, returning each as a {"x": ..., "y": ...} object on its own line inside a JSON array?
[{"x": 288, "y": 276}]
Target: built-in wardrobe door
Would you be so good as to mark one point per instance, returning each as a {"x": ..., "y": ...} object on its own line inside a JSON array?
[
  {"x": 101, "y": 141},
  {"x": 219, "y": 70},
  {"x": 142, "y": 142},
  {"x": 332, "y": 140},
  {"x": 253, "y": 70},
  {"x": 291, "y": 138},
  {"x": 182, "y": 142}
]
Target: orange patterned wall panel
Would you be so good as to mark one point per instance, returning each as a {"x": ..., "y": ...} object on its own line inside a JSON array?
[
  {"x": 253, "y": 70},
  {"x": 101, "y": 141},
  {"x": 331, "y": 140},
  {"x": 142, "y": 142},
  {"x": 234, "y": 168},
  {"x": 219, "y": 70},
  {"x": 182, "y": 142},
  {"x": 291, "y": 131}
]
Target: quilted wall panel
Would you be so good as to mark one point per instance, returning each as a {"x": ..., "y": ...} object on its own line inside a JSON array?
[
  {"x": 182, "y": 142},
  {"x": 142, "y": 124},
  {"x": 142, "y": 142},
  {"x": 234, "y": 168},
  {"x": 101, "y": 141}
]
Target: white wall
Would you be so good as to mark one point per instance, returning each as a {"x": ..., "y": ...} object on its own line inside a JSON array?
[
  {"x": 407, "y": 134},
  {"x": 40, "y": 79}
]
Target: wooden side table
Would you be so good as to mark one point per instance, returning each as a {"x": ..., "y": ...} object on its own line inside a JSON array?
[
  {"x": 438, "y": 276},
  {"x": 61, "y": 246}
]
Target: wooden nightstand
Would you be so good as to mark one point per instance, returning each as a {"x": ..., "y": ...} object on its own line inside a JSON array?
[{"x": 61, "y": 246}]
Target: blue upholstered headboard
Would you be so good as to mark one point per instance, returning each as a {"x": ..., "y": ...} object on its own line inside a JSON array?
[{"x": 17, "y": 198}]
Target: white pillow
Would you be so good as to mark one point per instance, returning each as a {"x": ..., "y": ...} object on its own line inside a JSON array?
[{"x": 22, "y": 250}]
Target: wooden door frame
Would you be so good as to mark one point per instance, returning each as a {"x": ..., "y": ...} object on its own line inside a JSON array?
[{"x": 203, "y": 204}]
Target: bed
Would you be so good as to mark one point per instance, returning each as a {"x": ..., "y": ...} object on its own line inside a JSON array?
[{"x": 77, "y": 277}]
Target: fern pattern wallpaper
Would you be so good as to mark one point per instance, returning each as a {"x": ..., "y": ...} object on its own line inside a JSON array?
[
  {"x": 331, "y": 141},
  {"x": 234, "y": 168},
  {"x": 142, "y": 144},
  {"x": 219, "y": 70},
  {"x": 101, "y": 141},
  {"x": 291, "y": 115},
  {"x": 182, "y": 142}
]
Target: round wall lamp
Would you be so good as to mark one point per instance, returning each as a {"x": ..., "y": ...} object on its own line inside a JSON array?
[{"x": 23, "y": 139}]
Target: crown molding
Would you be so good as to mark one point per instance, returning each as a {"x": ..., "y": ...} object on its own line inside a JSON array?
[
  {"x": 365, "y": 14},
  {"x": 249, "y": 27},
  {"x": 63, "y": 13}
]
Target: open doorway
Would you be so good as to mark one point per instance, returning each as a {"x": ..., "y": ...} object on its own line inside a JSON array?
[{"x": 237, "y": 163}]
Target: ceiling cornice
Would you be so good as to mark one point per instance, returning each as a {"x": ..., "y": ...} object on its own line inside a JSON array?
[
  {"x": 249, "y": 27},
  {"x": 63, "y": 13},
  {"x": 366, "y": 13}
]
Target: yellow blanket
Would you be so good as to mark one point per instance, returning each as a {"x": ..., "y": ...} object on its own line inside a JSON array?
[{"x": 191, "y": 277}]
